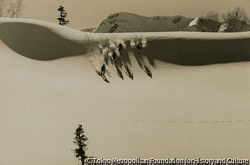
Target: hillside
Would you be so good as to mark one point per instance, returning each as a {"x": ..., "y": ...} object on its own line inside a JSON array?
[
  {"x": 184, "y": 48},
  {"x": 127, "y": 22},
  {"x": 246, "y": 28},
  {"x": 49, "y": 85},
  {"x": 88, "y": 30},
  {"x": 203, "y": 25}
]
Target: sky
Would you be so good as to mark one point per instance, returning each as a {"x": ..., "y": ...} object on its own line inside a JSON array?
[{"x": 90, "y": 13}]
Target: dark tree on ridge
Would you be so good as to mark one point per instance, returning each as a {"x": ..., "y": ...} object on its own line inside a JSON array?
[{"x": 62, "y": 17}]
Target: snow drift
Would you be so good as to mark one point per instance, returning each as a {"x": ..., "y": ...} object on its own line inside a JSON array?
[
  {"x": 183, "y": 111},
  {"x": 41, "y": 40},
  {"x": 46, "y": 41}
]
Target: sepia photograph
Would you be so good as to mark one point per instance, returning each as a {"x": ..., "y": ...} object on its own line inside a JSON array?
[{"x": 130, "y": 82}]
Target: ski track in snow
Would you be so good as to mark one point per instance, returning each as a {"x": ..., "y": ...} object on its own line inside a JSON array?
[
  {"x": 104, "y": 50},
  {"x": 129, "y": 120}
]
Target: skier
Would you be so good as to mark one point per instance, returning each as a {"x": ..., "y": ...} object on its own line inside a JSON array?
[
  {"x": 138, "y": 48},
  {"x": 103, "y": 69},
  {"x": 114, "y": 56},
  {"x": 120, "y": 47}
]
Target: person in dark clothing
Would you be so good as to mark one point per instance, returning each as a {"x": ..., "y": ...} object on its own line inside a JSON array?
[
  {"x": 114, "y": 56},
  {"x": 120, "y": 47},
  {"x": 138, "y": 46},
  {"x": 103, "y": 69}
]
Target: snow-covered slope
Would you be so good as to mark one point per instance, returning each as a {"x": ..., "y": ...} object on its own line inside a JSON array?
[
  {"x": 127, "y": 22},
  {"x": 182, "y": 111},
  {"x": 203, "y": 25},
  {"x": 246, "y": 28},
  {"x": 40, "y": 40}
]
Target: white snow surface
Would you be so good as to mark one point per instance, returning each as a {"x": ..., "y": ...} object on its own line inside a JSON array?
[
  {"x": 182, "y": 111},
  {"x": 194, "y": 22}
]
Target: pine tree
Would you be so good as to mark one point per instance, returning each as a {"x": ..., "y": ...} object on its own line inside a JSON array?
[
  {"x": 80, "y": 140},
  {"x": 62, "y": 17}
]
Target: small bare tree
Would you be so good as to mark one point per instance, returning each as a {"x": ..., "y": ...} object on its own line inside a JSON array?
[
  {"x": 11, "y": 9},
  {"x": 213, "y": 16},
  {"x": 3, "y": 5},
  {"x": 19, "y": 8},
  {"x": 238, "y": 13},
  {"x": 236, "y": 19}
]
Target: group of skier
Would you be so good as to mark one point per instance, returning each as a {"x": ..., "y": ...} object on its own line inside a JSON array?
[{"x": 114, "y": 57}]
